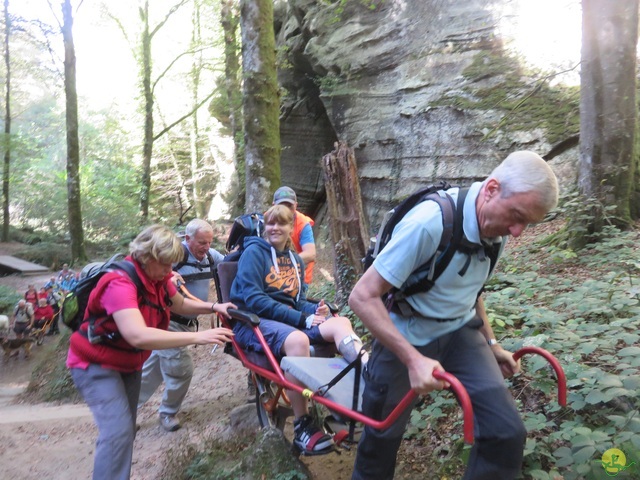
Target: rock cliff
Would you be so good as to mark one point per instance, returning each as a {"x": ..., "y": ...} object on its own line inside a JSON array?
[{"x": 421, "y": 89}]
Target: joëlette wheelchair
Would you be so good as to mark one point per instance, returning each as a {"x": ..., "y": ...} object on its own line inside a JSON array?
[{"x": 330, "y": 381}]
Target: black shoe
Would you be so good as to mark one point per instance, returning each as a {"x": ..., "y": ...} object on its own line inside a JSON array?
[{"x": 310, "y": 439}]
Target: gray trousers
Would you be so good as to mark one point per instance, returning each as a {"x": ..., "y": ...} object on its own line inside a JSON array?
[
  {"x": 498, "y": 430},
  {"x": 112, "y": 398},
  {"x": 174, "y": 367}
]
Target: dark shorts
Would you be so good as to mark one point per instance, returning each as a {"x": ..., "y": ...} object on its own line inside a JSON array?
[
  {"x": 275, "y": 333},
  {"x": 20, "y": 327}
]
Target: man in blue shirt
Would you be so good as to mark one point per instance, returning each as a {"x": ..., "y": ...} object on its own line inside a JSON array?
[
  {"x": 174, "y": 366},
  {"x": 446, "y": 328}
]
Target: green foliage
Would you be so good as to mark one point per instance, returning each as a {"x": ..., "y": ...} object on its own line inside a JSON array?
[
  {"x": 526, "y": 106},
  {"x": 340, "y": 6},
  {"x": 46, "y": 252},
  {"x": 38, "y": 179},
  {"x": 263, "y": 455},
  {"x": 50, "y": 379},
  {"x": 592, "y": 325},
  {"x": 8, "y": 299}
]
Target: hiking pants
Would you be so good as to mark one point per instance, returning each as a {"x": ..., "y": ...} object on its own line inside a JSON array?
[
  {"x": 174, "y": 366},
  {"x": 112, "y": 398},
  {"x": 498, "y": 430}
]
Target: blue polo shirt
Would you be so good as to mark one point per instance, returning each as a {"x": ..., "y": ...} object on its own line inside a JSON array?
[{"x": 453, "y": 297}]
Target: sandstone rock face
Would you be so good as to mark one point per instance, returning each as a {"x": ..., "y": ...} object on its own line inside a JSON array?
[{"x": 405, "y": 84}]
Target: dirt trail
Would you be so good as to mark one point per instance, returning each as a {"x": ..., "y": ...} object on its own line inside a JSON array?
[{"x": 56, "y": 442}]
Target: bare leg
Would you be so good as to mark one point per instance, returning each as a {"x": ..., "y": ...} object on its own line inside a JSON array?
[
  {"x": 297, "y": 345},
  {"x": 339, "y": 331}
]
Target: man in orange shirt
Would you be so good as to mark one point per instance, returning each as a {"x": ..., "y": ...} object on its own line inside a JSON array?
[{"x": 302, "y": 234}]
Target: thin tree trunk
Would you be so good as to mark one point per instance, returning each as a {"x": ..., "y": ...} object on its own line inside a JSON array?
[
  {"x": 73, "y": 142},
  {"x": 347, "y": 222},
  {"x": 607, "y": 165},
  {"x": 261, "y": 103},
  {"x": 230, "y": 19},
  {"x": 147, "y": 92},
  {"x": 194, "y": 133},
  {"x": 7, "y": 127}
]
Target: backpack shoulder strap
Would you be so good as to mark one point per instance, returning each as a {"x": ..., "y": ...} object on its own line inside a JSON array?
[
  {"x": 201, "y": 274},
  {"x": 130, "y": 270},
  {"x": 452, "y": 233},
  {"x": 184, "y": 260}
]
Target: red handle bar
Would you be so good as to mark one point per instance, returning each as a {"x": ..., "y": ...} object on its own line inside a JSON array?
[
  {"x": 463, "y": 400},
  {"x": 562, "y": 379}
]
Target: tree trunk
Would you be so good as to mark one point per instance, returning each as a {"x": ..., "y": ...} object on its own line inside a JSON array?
[
  {"x": 348, "y": 225},
  {"x": 607, "y": 167},
  {"x": 230, "y": 18},
  {"x": 147, "y": 92},
  {"x": 261, "y": 103},
  {"x": 194, "y": 130},
  {"x": 7, "y": 127},
  {"x": 73, "y": 142}
]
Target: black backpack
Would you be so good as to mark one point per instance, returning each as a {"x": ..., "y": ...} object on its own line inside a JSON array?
[
  {"x": 247, "y": 225},
  {"x": 75, "y": 302},
  {"x": 452, "y": 239}
]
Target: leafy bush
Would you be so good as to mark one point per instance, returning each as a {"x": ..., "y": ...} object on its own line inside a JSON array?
[
  {"x": 50, "y": 379},
  {"x": 8, "y": 298}
]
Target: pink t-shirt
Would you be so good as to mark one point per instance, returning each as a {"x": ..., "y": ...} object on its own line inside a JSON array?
[{"x": 120, "y": 294}]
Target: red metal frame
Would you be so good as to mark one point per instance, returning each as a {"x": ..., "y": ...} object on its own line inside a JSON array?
[
  {"x": 276, "y": 375},
  {"x": 562, "y": 379}
]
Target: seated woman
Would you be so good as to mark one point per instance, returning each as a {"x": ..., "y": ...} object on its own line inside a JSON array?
[
  {"x": 42, "y": 314},
  {"x": 270, "y": 284}
]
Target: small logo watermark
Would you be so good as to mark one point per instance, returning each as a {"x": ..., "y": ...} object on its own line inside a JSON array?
[{"x": 614, "y": 461}]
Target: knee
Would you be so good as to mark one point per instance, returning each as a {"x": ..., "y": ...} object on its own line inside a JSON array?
[
  {"x": 343, "y": 323},
  {"x": 297, "y": 344},
  {"x": 120, "y": 432},
  {"x": 178, "y": 367},
  {"x": 517, "y": 434},
  {"x": 507, "y": 441}
]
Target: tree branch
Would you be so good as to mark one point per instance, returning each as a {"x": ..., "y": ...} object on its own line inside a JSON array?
[
  {"x": 164, "y": 72},
  {"x": 119, "y": 24},
  {"x": 193, "y": 110},
  {"x": 166, "y": 18}
]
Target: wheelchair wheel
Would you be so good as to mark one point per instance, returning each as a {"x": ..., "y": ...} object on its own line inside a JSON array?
[{"x": 272, "y": 407}]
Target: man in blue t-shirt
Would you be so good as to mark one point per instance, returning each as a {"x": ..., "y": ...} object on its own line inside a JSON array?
[
  {"x": 446, "y": 328},
  {"x": 174, "y": 366}
]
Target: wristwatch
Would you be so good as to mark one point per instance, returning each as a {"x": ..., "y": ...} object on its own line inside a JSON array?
[{"x": 492, "y": 342}]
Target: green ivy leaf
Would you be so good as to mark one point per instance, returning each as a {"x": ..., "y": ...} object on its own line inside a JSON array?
[
  {"x": 631, "y": 382},
  {"x": 610, "y": 381},
  {"x": 582, "y": 441},
  {"x": 596, "y": 396},
  {"x": 562, "y": 452},
  {"x": 628, "y": 351},
  {"x": 564, "y": 462},
  {"x": 539, "y": 475},
  {"x": 584, "y": 454},
  {"x": 583, "y": 469}
]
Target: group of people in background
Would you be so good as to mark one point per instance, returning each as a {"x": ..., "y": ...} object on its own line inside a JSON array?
[{"x": 39, "y": 308}]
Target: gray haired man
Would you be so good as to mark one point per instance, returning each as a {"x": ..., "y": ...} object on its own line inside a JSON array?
[{"x": 174, "y": 366}]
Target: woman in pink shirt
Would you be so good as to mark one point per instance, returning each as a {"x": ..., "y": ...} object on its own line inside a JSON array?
[{"x": 129, "y": 324}]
